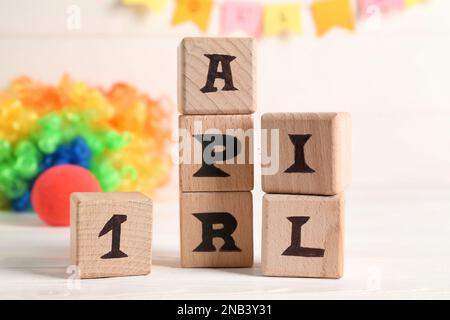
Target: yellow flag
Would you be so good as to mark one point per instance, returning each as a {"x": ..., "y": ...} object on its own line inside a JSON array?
[
  {"x": 197, "y": 11},
  {"x": 281, "y": 18},
  {"x": 410, "y": 3},
  {"x": 154, "y": 5},
  {"x": 332, "y": 13}
]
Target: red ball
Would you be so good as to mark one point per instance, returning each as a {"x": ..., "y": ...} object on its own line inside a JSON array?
[{"x": 50, "y": 196}]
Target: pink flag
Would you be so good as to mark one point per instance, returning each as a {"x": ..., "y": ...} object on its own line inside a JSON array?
[
  {"x": 244, "y": 16},
  {"x": 367, "y": 8}
]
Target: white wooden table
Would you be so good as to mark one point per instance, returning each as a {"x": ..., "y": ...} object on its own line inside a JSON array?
[{"x": 397, "y": 246}]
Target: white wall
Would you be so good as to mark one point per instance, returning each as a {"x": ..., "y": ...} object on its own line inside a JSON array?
[{"x": 395, "y": 80}]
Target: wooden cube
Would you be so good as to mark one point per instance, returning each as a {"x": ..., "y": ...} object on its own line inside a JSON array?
[
  {"x": 111, "y": 233},
  {"x": 311, "y": 156},
  {"x": 216, "y": 153},
  {"x": 216, "y": 76},
  {"x": 216, "y": 229},
  {"x": 302, "y": 236}
]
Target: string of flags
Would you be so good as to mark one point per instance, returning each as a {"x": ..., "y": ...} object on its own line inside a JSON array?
[{"x": 270, "y": 19}]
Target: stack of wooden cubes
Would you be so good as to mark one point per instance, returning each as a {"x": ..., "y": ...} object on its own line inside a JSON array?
[
  {"x": 303, "y": 212},
  {"x": 216, "y": 97}
]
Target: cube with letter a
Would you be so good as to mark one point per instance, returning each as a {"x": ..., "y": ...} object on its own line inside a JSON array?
[{"x": 217, "y": 76}]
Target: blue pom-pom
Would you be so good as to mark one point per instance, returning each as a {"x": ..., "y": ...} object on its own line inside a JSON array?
[
  {"x": 63, "y": 151},
  {"x": 80, "y": 150},
  {"x": 61, "y": 161},
  {"x": 77, "y": 152},
  {"x": 83, "y": 163},
  {"x": 47, "y": 162},
  {"x": 23, "y": 203}
]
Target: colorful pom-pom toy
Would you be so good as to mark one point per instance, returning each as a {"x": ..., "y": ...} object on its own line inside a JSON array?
[{"x": 121, "y": 135}]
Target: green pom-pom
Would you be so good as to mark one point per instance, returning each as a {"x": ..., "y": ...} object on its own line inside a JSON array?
[
  {"x": 50, "y": 122},
  {"x": 5, "y": 150},
  {"x": 69, "y": 134},
  {"x": 25, "y": 147},
  {"x": 111, "y": 181},
  {"x": 7, "y": 174},
  {"x": 10, "y": 184},
  {"x": 108, "y": 177},
  {"x": 17, "y": 189},
  {"x": 48, "y": 142},
  {"x": 75, "y": 125},
  {"x": 26, "y": 166},
  {"x": 95, "y": 143},
  {"x": 115, "y": 141}
]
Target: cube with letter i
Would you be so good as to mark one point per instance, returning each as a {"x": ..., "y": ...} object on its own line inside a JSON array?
[{"x": 310, "y": 153}]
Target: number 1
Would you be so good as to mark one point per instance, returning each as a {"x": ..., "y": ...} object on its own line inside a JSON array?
[{"x": 115, "y": 225}]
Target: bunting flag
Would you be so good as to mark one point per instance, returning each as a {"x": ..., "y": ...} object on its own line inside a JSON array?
[
  {"x": 197, "y": 11},
  {"x": 282, "y": 19},
  {"x": 244, "y": 16},
  {"x": 332, "y": 13},
  {"x": 367, "y": 7},
  {"x": 154, "y": 5},
  {"x": 255, "y": 18},
  {"x": 410, "y": 3}
]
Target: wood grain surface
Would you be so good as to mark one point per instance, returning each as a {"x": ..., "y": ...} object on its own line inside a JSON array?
[
  {"x": 237, "y": 204},
  {"x": 239, "y": 169},
  {"x": 385, "y": 257},
  {"x": 323, "y": 230},
  {"x": 327, "y": 152},
  {"x": 90, "y": 213},
  {"x": 193, "y": 68}
]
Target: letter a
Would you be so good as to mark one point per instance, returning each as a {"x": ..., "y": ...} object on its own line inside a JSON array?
[
  {"x": 214, "y": 73},
  {"x": 296, "y": 249}
]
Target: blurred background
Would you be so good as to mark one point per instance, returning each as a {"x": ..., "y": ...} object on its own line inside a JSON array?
[{"x": 391, "y": 72}]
